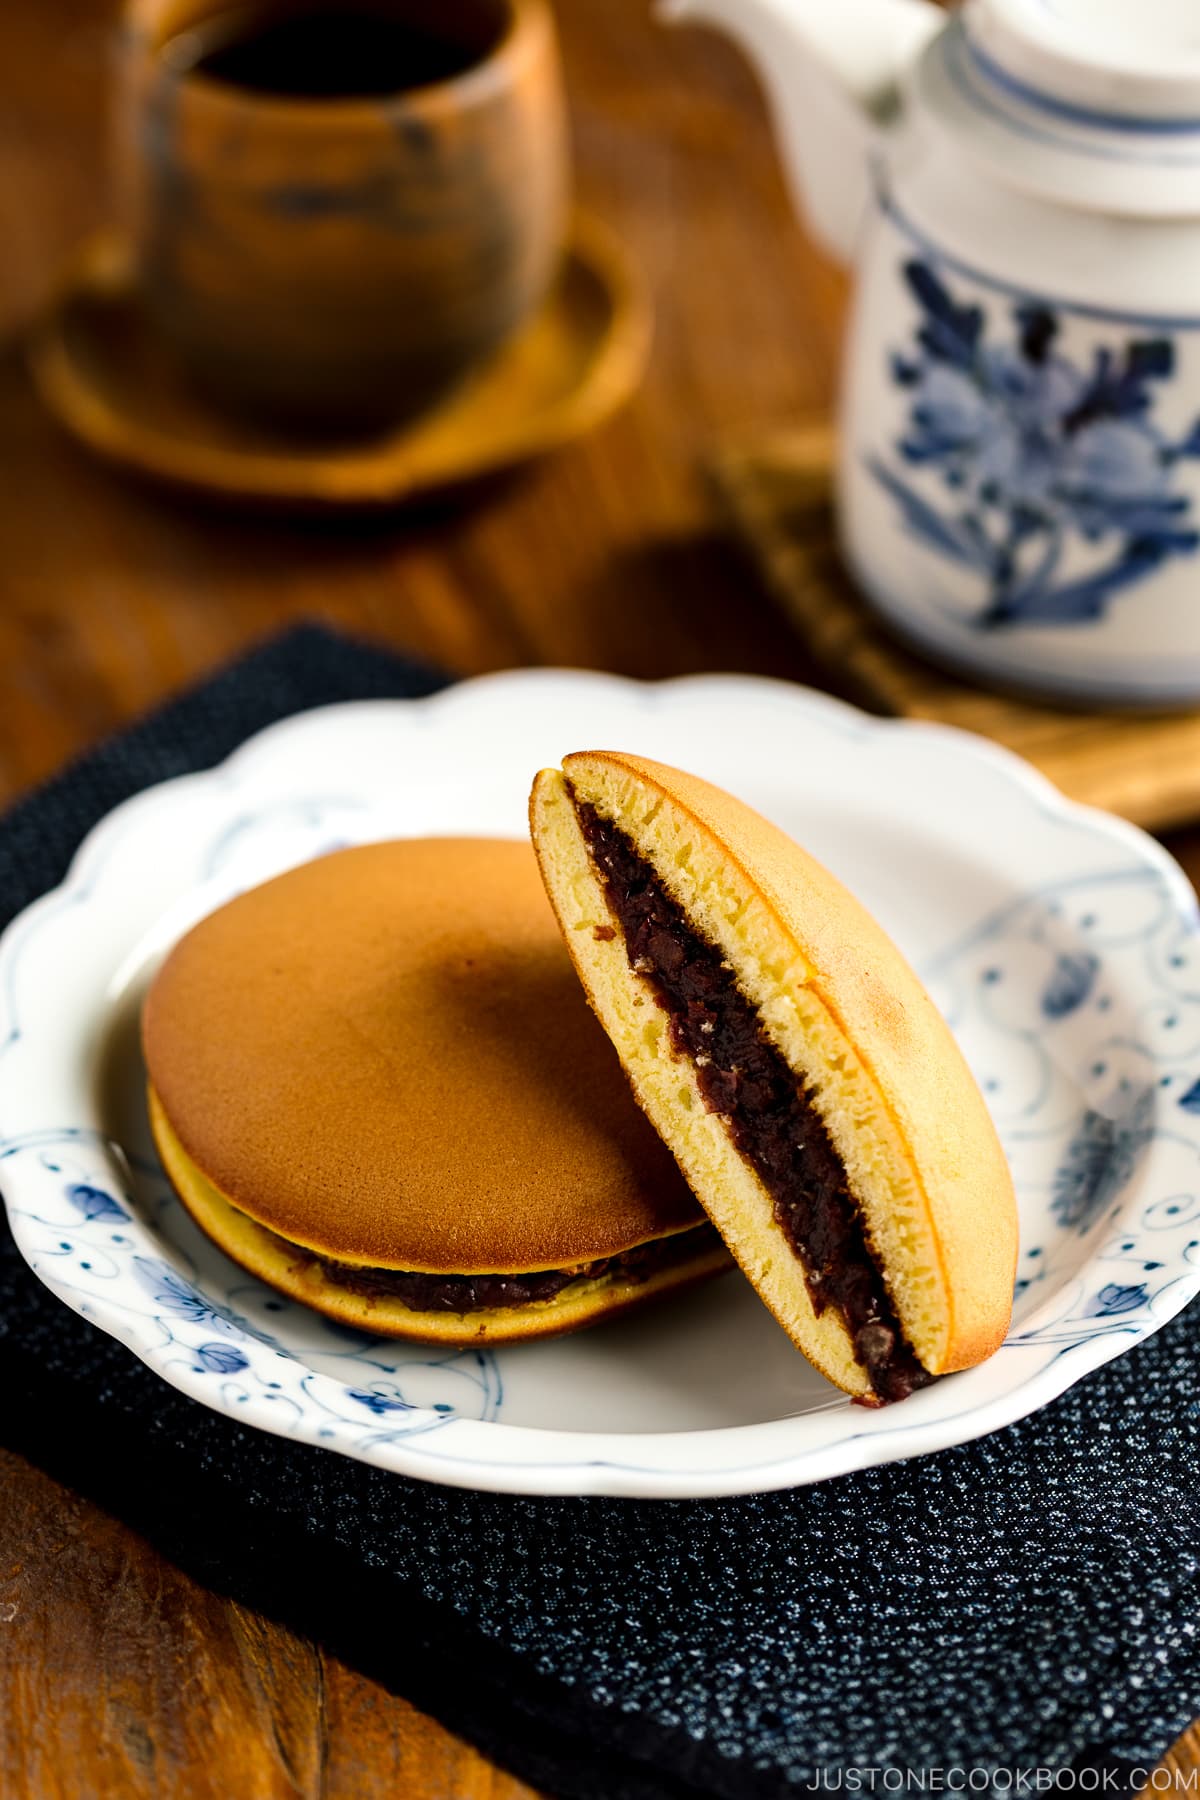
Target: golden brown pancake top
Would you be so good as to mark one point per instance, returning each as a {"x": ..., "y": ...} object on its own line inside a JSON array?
[{"x": 386, "y": 1055}]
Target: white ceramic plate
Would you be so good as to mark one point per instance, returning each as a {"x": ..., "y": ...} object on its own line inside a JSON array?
[{"x": 1061, "y": 943}]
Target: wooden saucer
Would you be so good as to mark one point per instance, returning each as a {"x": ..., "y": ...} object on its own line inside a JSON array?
[{"x": 103, "y": 372}]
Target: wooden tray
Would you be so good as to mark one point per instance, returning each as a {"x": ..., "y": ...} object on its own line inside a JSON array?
[{"x": 777, "y": 490}]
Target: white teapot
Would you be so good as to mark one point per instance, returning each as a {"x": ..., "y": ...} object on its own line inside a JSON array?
[{"x": 1018, "y": 184}]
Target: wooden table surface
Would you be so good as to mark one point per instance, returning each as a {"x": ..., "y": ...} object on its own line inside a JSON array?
[{"x": 119, "y": 1676}]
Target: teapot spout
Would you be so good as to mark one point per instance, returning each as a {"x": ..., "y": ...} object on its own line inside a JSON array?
[{"x": 832, "y": 71}]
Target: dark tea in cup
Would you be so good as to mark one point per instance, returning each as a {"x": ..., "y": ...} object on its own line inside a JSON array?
[
  {"x": 338, "y": 211},
  {"x": 332, "y": 52}
]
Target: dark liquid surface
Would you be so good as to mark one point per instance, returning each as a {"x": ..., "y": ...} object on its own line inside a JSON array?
[{"x": 328, "y": 52}]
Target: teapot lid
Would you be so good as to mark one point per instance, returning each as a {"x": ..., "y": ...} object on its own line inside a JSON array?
[
  {"x": 1116, "y": 63},
  {"x": 1092, "y": 103}
]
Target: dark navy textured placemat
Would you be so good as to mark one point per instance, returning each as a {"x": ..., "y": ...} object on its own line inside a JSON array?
[{"x": 1027, "y": 1601}]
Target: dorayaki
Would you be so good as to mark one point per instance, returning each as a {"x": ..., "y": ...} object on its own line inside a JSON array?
[
  {"x": 808, "y": 1087},
  {"x": 375, "y": 1083}
]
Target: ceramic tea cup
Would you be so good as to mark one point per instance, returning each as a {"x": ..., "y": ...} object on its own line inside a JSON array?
[{"x": 338, "y": 211}]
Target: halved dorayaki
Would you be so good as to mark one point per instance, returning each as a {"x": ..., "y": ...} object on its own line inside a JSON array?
[
  {"x": 808, "y": 1087},
  {"x": 375, "y": 1083}
]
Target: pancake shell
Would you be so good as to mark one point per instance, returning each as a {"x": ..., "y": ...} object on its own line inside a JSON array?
[{"x": 385, "y": 1056}]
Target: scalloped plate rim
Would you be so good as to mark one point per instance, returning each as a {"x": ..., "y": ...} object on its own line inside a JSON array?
[{"x": 607, "y": 1463}]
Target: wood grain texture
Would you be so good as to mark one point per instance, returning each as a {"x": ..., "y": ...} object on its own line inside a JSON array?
[
  {"x": 606, "y": 555},
  {"x": 121, "y": 1679},
  {"x": 1182, "y": 1763}
]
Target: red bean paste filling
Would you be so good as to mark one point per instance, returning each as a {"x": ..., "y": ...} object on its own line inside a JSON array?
[
  {"x": 770, "y": 1116},
  {"x": 473, "y": 1293}
]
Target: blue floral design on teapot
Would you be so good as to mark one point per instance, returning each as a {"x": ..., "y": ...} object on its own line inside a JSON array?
[
  {"x": 1016, "y": 184},
  {"x": 1035, "y": 455}
]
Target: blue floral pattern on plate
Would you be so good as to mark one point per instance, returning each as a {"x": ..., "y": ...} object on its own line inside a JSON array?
[
  {"x": 1073, "y": 987},
  {"x": 1090, "y": 1084},
  {"x": 1013, "y": 460}
]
